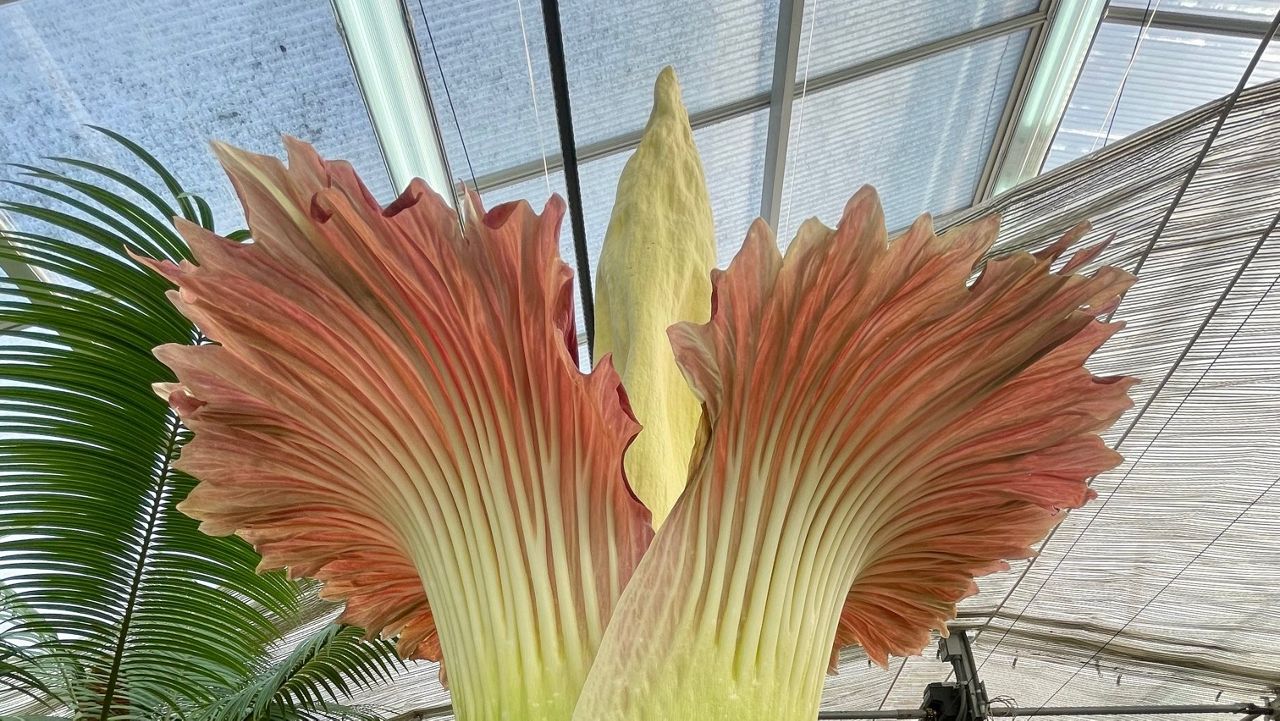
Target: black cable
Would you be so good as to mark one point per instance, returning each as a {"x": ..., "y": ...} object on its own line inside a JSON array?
[
  {"x": 1217, "y": 356},
  {"x": 569, "y": 154},
  {"x": 1151, "y": 400},
  {"x": 892, "y": 683},
  {"x": 447, "y": 97},
  {"x": 1227, "y": 107}
]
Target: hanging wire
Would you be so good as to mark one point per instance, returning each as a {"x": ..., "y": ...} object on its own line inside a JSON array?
[
  {"x": 444, "y": 82},
  {"x": 892, "y": 682},
  {"x": 1181, "y": 402},
  {"x": 804, "y": 92},
  {"x": 1113, "y": 109},
  {"x": 533, "y": 95},
  {"x": 1008, "y": 702},
  {"x": 996, "y": 85}
]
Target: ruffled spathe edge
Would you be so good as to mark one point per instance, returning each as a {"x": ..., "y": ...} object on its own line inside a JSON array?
[{"x": 388, "y": 389}]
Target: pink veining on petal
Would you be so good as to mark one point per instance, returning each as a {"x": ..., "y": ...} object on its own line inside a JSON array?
[{"x": 393, "y": 407}]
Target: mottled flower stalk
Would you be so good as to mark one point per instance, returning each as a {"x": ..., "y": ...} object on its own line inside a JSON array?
[{"x": 654, "y": 271}]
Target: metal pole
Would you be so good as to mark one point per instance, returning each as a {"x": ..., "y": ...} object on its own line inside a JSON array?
[
  {"x": 1001, "y": 711},
  {"x": 569, "y": 153},
  {"x": 1252, "y": 711},
  {"x": 786, "y": 57},
  {"x": 1238, "y": 708},
  {"x": 903, "y": 713}
]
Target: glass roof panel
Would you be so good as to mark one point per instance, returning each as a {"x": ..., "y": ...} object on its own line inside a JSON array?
[
  {"x": 1245, "y": 9},
  {"x": 920, "y": 133},
  {"x": 845, "y": 34},
  {"x": 722, "y": 51},
  {"x": 481, "y": 83},
  {"x": 1134, "y": 79},
  {"x": 1159, "y": 601},
  {"x": 173, "y": 75}
]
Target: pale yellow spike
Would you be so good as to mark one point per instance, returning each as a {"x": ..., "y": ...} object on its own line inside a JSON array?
[{"x": 654, "y": 271}]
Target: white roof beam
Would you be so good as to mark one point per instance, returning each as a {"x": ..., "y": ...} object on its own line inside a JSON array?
[{"x": 384, "y": 55}]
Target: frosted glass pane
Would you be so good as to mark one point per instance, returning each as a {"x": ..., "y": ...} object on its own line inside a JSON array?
[
  {"x": 172, "y": 75},
  {"x": 722, "y": 51},
  {"x": 1172, "y": 71},
  {"x": 920, "y": 133},
  {"x": 848, "y": 33},
  {"x": 1248, "y": 9},
  {"x": 491, "y": 118},
  {"x": 732, "y": 157}
]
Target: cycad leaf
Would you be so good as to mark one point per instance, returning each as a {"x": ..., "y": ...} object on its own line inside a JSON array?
[
  {"x": 149, "y": 612},
  {"x": 326, "y": 667}
]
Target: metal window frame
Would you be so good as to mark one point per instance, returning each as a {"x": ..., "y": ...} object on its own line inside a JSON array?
[
  {"x": 781, "y": 98},
  {"x": 380, "y": 42},
  {"x": 1061, "y": 35},
  {"x": 1044, "y": 86},
  {"x": 1024, "y": 143},
  {"x": 1196, "y": 22},
  {"x": 761, "y": 101}
]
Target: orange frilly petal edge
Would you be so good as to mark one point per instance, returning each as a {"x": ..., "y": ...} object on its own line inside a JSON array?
[
  {"x": 953, "y": 421},
  {"x": 389, "y": 392}
]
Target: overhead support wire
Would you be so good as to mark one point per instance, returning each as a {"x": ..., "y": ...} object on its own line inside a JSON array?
[
  {"x": 569, "y": 156},
  {"x": 1271, "y": 229},
  {"x": 1189, "y": 176},
  {"x": 1227, "y": 107},
  {"x": 786, "y": 61},
  {"x": 1051, "y": 64},
  {"x": 1249, "y": 507},
  {"x": 1028, "y": 61}
]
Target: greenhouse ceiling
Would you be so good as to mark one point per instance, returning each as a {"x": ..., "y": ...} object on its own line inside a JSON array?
[{"x": 1155, "y": 119}]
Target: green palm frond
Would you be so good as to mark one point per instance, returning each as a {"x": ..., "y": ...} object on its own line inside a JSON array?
[
  {"x": 329, "y": 665},
  {"x": 29, "y": 676},
  {"x": 151, "y": 613},
  {"x": 17, "y": 677}
]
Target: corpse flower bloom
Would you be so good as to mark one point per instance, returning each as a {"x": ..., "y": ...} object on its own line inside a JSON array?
[{"x": 393, "y": 406}]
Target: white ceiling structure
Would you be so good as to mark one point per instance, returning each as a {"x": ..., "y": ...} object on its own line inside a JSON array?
[{"x": 1162, "y": 591}]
